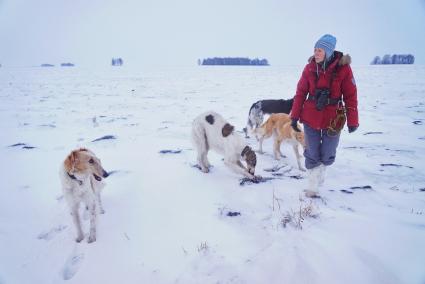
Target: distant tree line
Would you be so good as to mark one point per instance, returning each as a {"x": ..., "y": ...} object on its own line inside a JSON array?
[
  {"x": 394, "y": 59},
  {"x": 117, "y": 62},
  {"x": 62, "y": 64},
  {"x": 234, "y": 61}
]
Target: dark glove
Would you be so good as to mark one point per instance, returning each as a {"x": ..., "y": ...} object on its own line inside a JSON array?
[
  {"x": 294, "y": 124},
  {"x": 351, "y": 129}
]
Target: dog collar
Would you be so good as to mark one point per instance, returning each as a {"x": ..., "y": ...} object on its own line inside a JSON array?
[
  {"x": 74, "y": 178},
  {"x": 245, "y": 150}
]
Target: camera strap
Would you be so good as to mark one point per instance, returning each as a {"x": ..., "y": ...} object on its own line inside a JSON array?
[{"x": 331, "y": 101}]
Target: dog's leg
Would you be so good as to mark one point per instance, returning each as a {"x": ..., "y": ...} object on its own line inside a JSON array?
[
  {"x": 245, "y": 130},
  {"x": 241, "y": 165},
  {"x": 276, "y": 136},
  {"x": 260, "y": 144},
  {"x": 205, "y": 161},
  {"x": 297, "y": 154},
  {"x": 99, "y": 202},
  {"x": 237, "y": 169},
  {"x": 201, "y": 162},
  {"x": 276, "y": 148},
  {"x": 77, "y": 222},
  {"x": 97, "y": 188},
  {"x": 93, "y": 213},
  {"x": 201, "y": 144}
]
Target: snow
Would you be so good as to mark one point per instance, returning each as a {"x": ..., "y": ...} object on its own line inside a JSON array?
[{"x": 166, "y": 221}]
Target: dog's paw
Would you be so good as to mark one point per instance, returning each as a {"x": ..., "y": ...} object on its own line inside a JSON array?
[
  {"x": 91, "y": 239},
  {"x": 79, "y": 239},
  {"x": 257, "y": 178},
  {"x": 302, "y": 169},
  {"x": 253, "y": 178},
  {"x": 205, "y": 170}
]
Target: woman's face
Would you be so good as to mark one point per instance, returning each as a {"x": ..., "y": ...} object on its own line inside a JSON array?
[{"x": 319, "y": 54}]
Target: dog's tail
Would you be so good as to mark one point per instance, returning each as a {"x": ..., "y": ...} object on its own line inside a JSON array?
[
  {"x": 249, "y": 124},
  {"x": 255, "y": 118}
]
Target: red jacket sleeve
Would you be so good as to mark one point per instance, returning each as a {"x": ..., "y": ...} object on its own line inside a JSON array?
[
  {"x": 349, "y": 92},
  {"x": 300, "y": 95}
]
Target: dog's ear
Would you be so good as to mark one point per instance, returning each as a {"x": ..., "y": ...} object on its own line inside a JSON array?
[
  {"x": 70, "y": 161},
  {"x": 249, "y": 156},
  {"x": 227, "y": 129}
]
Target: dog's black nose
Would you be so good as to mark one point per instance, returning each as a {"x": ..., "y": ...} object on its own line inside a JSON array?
[{"x": 105, "y": 174}]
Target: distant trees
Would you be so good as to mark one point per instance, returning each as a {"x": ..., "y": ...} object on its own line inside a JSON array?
[
  {"x": 117, "y": 62},
  {"x": 67, "y": 64},
  {"x": 234, "y": 61},
  {"x": 376, "y": 60},
  {"x": 386, "y": 59},
  {"x": 394, "y": 59}
]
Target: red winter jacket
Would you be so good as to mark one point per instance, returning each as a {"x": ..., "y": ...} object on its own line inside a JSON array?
[{"x": 343, "y": 85}]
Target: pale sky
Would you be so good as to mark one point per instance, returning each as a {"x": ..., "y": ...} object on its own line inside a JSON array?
[{"x": 177, "y": 33}]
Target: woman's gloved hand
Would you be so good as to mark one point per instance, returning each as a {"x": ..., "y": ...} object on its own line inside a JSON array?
[
  {"x": 294, "y": 124},
  {"x": 351, "y": 129}
]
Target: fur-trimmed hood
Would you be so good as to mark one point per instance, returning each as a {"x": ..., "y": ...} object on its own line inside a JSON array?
[{"x": 344, "y": 59}]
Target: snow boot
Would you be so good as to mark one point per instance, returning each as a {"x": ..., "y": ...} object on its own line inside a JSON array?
[
  {"x": 313, "y": 182},
  {"x": 322, "y": 173}
]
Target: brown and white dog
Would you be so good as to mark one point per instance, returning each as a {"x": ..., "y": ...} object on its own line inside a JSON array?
[
  {"x": 211, "y": 131},
  {"x": 81, "y": 176},
  {"x": 279, "y": 125}
]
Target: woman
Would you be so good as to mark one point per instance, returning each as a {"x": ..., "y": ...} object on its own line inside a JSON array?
[{"x": 326, "y": 86}]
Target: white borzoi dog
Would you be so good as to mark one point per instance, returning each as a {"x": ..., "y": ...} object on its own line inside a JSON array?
[
  {"x": 211, "y": 131},
  {"x": 81, "y": 176}
]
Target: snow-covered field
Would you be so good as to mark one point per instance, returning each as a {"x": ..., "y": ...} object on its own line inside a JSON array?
[{"x": 166, "y": 222}]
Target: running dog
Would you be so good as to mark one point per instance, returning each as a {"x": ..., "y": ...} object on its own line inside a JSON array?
[
  {"x": 260, "y": 108},
  {"x": 211, "y": 131},
  {"x": 81, "y": 176},
  {"x": 279, "y": 125}
]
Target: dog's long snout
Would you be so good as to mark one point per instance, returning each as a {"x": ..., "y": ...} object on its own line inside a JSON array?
[{"x": 105, "y": 174}]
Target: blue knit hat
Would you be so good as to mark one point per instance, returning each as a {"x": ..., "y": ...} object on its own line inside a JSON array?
[{"x": 327, "y": 42}]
